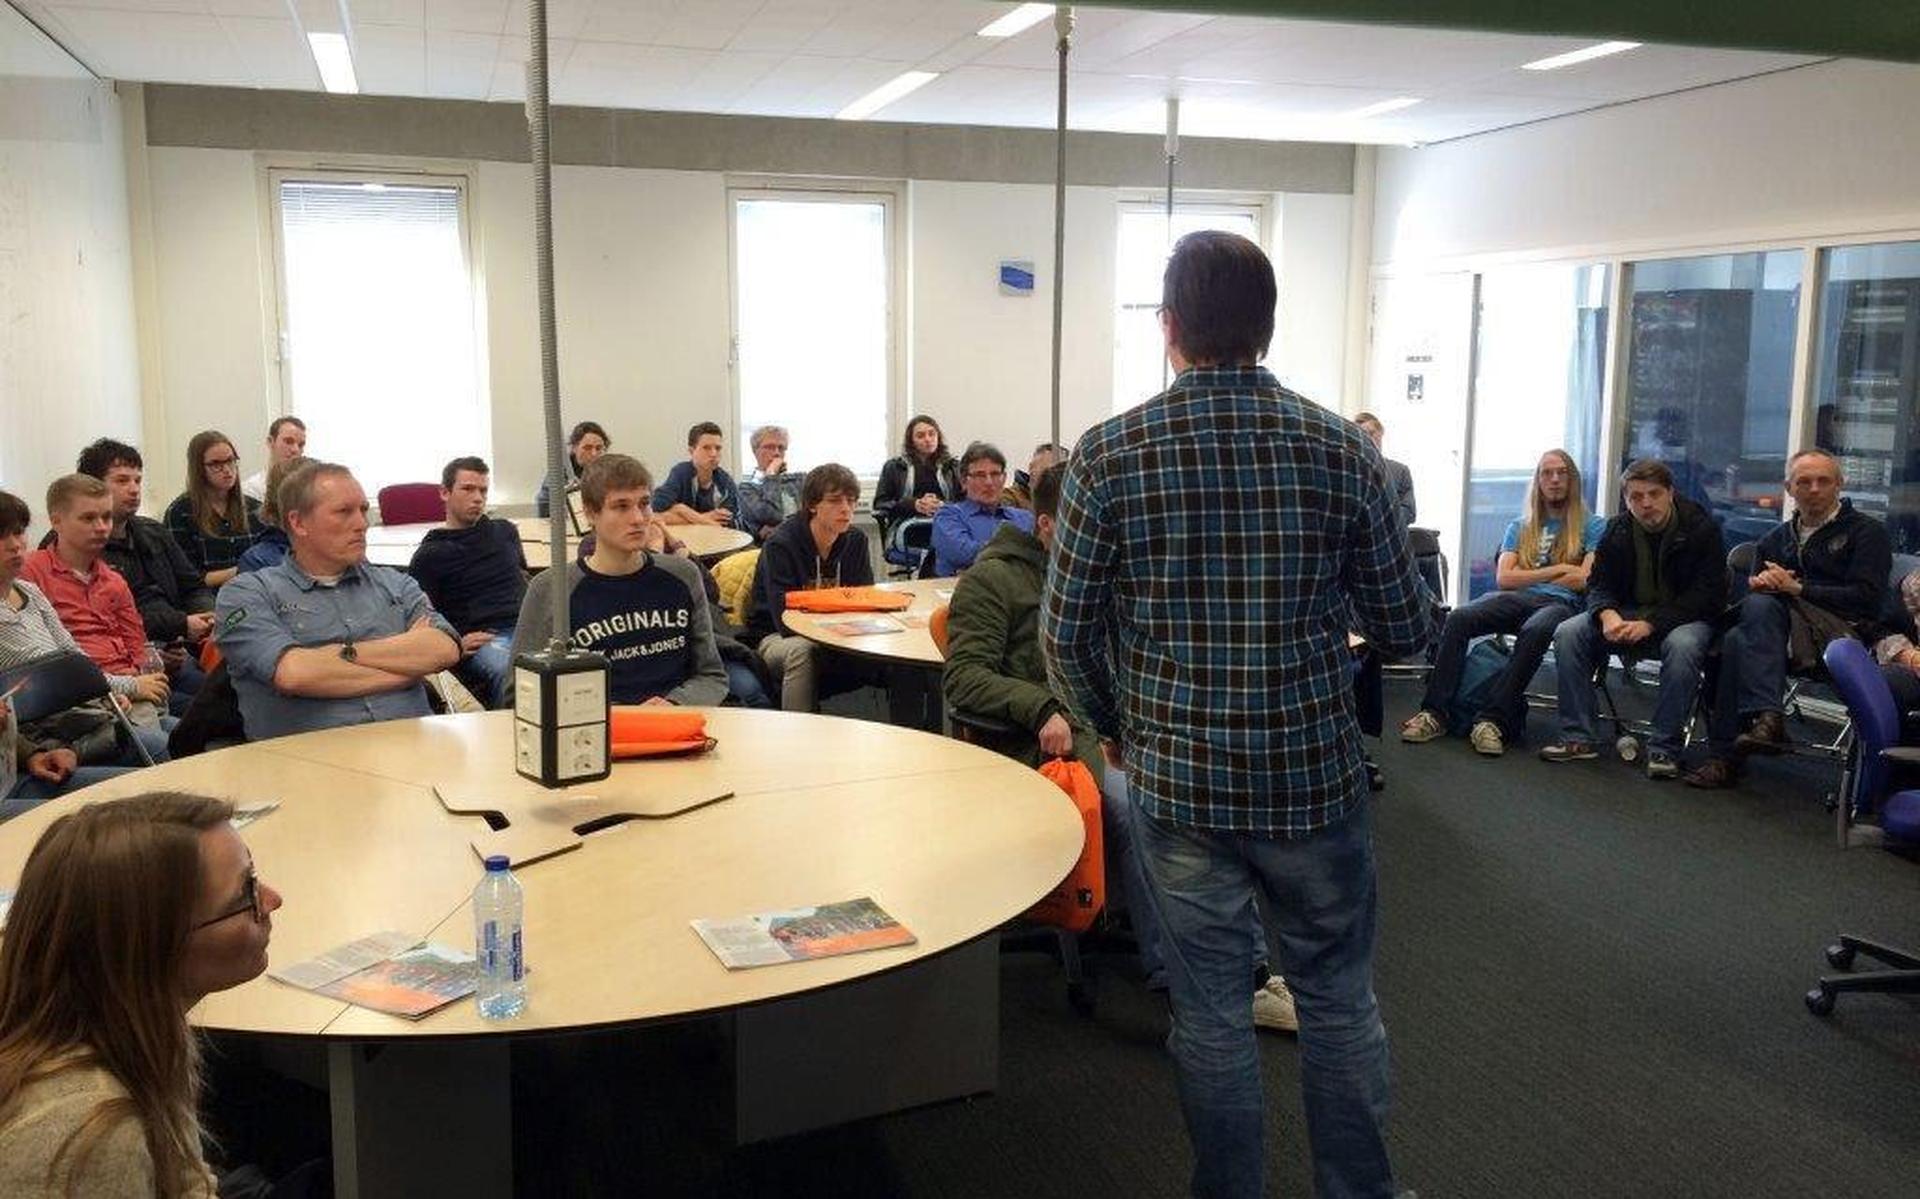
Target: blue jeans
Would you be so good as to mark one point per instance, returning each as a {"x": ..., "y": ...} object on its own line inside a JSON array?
[
  {"x": 488, "y": 671},
  {"x": 1127, "y": 874},
  {"x": 29, "y": 792},
  {"x": 1753, "y": 667},
  {"x": 1320, "y": 892},
  {"x": 1531, "y": 617},
  {"x": 1578, "y": 651},
  {"x": 744, "y": 685}
]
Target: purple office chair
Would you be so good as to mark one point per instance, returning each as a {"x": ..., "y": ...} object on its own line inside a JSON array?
[{"x": 1876, "y": 729}]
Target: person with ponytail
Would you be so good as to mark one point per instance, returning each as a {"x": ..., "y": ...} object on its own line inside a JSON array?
[{"x": 128, "y": 913}]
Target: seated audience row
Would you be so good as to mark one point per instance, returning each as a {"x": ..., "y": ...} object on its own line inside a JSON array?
[{"x": 1652, "y": 584}]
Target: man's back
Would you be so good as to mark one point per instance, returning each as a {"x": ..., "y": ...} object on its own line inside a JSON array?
[{"x": 1223, "y": 538}]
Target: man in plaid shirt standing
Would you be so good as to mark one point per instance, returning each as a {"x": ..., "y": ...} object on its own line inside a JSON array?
[{"x": 1215, "y": 546}]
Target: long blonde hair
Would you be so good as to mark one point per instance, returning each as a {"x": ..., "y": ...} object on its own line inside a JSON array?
[
  {"x": 1569, "y": 546},
  {"x": 90, "y": 973}
]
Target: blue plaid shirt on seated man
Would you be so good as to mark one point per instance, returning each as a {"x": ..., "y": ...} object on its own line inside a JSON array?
[{"x": 1215, "y": 547}]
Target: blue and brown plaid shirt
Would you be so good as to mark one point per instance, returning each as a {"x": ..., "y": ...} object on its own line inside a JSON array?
[{"x": 1215, "y": 546}]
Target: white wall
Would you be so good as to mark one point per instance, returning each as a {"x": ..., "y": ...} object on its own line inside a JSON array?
[
  {"x": 1832, "y": 149},
  {"x": 982, "y": 361},
  {"x": 643, "y": 307},
  {"x": 68, "y": 364},
  {"x": 1310, "y": 254}
]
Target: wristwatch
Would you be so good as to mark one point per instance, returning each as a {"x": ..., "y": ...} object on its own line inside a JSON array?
[{"x": 348, "y": 653}]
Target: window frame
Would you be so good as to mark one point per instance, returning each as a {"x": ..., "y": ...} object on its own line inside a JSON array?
[
  {"x": 892, "y": 197},
  {"x": 1134, "y": 202}
]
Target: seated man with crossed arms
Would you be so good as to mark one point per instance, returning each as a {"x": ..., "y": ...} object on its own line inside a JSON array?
[{"x": 325, "y": 638}]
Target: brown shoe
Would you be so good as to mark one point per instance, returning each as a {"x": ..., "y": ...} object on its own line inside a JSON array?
[
  {"x": 1767, "y": 734},
  {"x": 1713, "y": 774}
]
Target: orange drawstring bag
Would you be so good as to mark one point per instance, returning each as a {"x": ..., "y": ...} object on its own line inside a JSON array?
[
  {"x": 1078, "y": 898},
  {"x": 848, "y": 599}
]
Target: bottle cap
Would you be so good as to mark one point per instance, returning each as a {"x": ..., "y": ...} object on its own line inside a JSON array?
[{"x": 497, "y": 861}]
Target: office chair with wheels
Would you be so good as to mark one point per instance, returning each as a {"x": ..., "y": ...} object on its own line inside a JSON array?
[
  {"x": 910, "y": 547},
  {"x": 1876, "y": 723},
  {"x": 59, "y": 681}
]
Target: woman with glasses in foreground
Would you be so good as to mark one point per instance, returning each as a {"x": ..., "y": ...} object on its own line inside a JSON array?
[{"x": 129, "y": 912}]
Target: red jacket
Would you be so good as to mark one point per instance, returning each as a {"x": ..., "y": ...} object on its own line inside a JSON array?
[{"x": 100, "y": 612}]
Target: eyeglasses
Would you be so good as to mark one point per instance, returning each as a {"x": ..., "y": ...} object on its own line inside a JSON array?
[
  {"x": 249, "y": 902},
  {"x": 984, "y": 476},
  {"x": 222, "y": 464}
]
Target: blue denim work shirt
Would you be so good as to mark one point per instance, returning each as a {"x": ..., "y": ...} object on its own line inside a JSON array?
[
  {"x": 963, "y": 528},
  {"x": 261, "y": 615}
]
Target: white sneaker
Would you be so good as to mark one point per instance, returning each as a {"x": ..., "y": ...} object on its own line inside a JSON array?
[
  {"x": 1273, "y": 1006},
  {"x": 1422, "y": 726},
  {"x": 1488, "y": 739}
]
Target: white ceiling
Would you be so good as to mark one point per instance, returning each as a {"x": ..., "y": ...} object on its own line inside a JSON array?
[{"x": 1236, "y": 76}]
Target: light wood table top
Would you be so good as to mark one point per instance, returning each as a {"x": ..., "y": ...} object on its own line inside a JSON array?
[
  {"x": 912, "y": 644},
  {"x": 393, "y": 545},
  {"x": 702, "y": 541},
  {"x": 951, "y": 839}
]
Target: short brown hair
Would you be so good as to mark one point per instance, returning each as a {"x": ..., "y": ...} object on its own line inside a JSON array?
[
  {"x": 63, "y": 491},
  {"x": 273, "y": 430},
  {"x": 1648, "y": 470},
  {"x": 827, "y": 480},
  {"x": 1046, "y": 490},
  {"x": 705, "y": 428},
  {"x": 610, "y": 473},
  {"x": 1220, "y": 292}
]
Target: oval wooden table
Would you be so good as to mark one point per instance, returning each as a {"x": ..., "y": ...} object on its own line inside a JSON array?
[
  {"x": 911, "y": 659},
  {"x": 952, "y": 840}
]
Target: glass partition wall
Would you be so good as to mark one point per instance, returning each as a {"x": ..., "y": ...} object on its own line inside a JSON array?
[
  {"x": 1864, "y": 396},
  {"x": 1539, "y": 374}
]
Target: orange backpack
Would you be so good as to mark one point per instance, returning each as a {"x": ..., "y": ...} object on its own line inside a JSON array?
[{"x": 1077, "y": 898}]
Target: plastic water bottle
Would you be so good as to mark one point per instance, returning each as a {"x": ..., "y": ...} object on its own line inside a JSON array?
[{"x": 497, "y": 943}]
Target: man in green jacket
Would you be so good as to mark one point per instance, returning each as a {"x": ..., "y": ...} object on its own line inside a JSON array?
[
  {"x": 996, "y": 676},
  {"x": 994, "y": 673}
]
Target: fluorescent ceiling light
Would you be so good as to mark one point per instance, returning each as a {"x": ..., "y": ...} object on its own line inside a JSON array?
[
  {"x": 886, "y": 94},
  {"x": 1024, "y": 17},
  {"x": 336, "y": 65},
  {"x": 1384, "y": 107},
  {"x": 1601, "y": 50}
]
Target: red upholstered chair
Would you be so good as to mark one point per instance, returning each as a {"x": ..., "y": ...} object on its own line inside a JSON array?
[{"x": 411, "y": 504}]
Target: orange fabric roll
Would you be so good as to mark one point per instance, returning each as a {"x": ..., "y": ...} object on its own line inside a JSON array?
[
  {"x": 632, "y": 726},
  {"x": 848, "y": 599}
]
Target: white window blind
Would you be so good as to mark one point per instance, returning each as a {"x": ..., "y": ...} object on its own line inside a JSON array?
[
  {"x": 381, "y": 355},
  {"x": 812, "y": 298}
]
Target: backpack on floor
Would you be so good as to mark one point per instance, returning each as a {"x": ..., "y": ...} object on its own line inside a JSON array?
[{"x": 1487, "y": 658}]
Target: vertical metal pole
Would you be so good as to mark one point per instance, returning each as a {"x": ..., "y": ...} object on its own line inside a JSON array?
[
  {"x": 538, "y": 127},
  {"x": 1173, "y": 157},
  {"x": 1063, "y": 33}
]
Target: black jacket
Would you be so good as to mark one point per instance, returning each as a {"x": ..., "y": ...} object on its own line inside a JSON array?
[
  {"x": 1845, "y": 567},
  {"x": 790, "y": 561},
  {"x": 166, "y": 585},
  {"x": 1694, "y": 563},
  {"x": 476, "y": 576},
  {"x": 893, "y": 495}
]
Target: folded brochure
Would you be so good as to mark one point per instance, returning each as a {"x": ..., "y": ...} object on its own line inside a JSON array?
[
  {"x": 797, "y": 934},
  {"x": 860, "y": 626},
  {"x": 388, "y": 972}
]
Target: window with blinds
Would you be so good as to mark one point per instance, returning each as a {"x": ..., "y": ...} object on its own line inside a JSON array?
[{"x": 379, "y": 352}]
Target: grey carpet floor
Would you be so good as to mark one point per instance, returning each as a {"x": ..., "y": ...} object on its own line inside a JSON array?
[{"x": 1592, "y": 984}]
